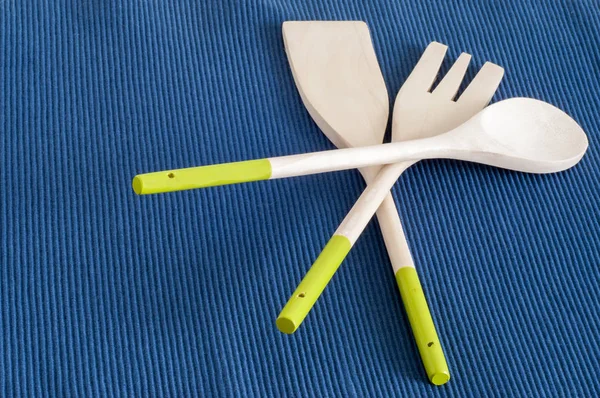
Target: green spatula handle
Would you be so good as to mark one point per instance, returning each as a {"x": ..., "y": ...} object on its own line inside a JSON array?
[{"x": 422, "y": 325}]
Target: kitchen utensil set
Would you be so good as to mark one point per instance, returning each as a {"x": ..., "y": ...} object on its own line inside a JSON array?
[{"x": 339, "y": 80}]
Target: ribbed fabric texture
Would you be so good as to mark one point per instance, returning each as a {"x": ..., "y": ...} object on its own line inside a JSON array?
[{"x": 103, "y": 293}]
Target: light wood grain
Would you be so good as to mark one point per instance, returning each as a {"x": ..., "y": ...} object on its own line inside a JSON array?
[
  {"x": 338, "y": 77},
  {"x": 520, "y": 134},
  {"x": 420, "y": 113}
]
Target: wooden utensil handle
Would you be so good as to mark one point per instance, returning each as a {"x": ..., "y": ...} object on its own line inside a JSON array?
[
  {"x": 414, "y": 300},
  {"x": 202, "y": 177},
  {"x": 313, "y": 284},
  {"x": 407, "y": 278},
  {"x": 422, "y": 325},
  {"x": 376, "y": 197},
  {"x": 289, "y": 166}
]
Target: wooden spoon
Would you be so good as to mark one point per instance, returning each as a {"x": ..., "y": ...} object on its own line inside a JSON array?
[{"x": 520, "y": 134}]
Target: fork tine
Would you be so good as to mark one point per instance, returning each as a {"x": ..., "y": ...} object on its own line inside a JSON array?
[
  {"x": 450, "y": 84},
  {"x": 482, "y": 88},
  {"x": 424, "y": 73}
]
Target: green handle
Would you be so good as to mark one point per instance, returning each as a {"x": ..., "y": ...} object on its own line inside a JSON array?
[
  {"x": 422, "y": 326},
  {"x": 313, "y": 284},
  {"x": 202, "y": 177}
]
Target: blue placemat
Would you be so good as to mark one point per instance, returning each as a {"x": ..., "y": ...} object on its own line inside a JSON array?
[{"x": 103, "y": 293}]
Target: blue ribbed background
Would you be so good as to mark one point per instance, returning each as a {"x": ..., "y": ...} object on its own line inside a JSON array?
[{"x": 103, "y": 293}]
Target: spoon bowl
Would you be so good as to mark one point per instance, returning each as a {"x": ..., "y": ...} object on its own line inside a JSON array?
[{"x": 523, "y": 134}]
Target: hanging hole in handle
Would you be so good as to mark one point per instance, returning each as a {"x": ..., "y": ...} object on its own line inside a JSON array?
[
  {"x": 171, "y": 175},
  {"x": 302, "y": 295},
  {"x": 430, "y": 344}
]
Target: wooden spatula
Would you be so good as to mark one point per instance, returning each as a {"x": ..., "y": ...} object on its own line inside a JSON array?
[{"x": 338, "y": 77}]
